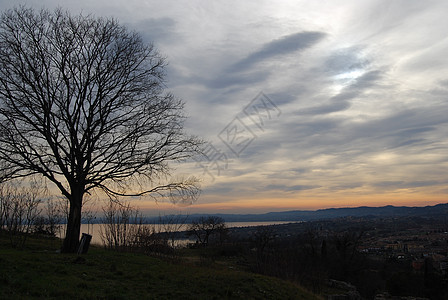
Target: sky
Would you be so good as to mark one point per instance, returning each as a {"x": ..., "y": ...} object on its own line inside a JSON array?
[{"x": 304, "y": 104}]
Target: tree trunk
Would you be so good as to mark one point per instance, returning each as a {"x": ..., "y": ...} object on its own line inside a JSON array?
[{"x": 73, "y": 230}]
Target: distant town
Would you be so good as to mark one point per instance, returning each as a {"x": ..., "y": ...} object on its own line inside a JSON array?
[{"x": 403, "y": 252}]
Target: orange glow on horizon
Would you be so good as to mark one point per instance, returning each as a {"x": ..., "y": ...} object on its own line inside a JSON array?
[{"x": 263, "y": 205}]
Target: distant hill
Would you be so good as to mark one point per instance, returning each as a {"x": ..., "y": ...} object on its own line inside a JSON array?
[{"x": 436, "y": 211}]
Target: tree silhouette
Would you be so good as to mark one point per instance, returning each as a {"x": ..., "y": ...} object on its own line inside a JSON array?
[
  {"x": 204, "y": 227},
  {"x": 82, "y": 103}
]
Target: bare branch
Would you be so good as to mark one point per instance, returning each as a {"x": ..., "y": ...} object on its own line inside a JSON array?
[{"x": 82, "y": 103}]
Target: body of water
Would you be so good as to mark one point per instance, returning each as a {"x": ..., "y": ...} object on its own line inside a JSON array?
[{"x": 95, "y": 231}]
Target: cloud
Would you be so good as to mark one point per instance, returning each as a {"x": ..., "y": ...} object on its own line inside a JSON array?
[
  {"x": 367, "y": 80},
  {"x": 406, "y": 124},
  {"x": 406, "y": 184},
  {"x": 342, "y": 101},
  {"x": 345, "y": 60},
  {"x": 293, "y": 188},
  {"x": 409, "y": 143},
  {"x": 158, "y": 30},
  {"x": 362, "y": 87},
  {"x": 326, "y": 108},
  {"x": 279, "y": 47},
  {"x": 249, "y": 71},
  {"x": 228, "y": 80}
]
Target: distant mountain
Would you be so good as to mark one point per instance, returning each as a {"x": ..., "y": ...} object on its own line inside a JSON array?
[{"x": 436, "y": 211}]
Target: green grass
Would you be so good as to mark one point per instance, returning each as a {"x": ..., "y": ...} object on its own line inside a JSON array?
[{"x": 40, "y": 272}]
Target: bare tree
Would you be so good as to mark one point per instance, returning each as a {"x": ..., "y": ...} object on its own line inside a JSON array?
[
  {"x": 123, "y": 229},
  {"x": 172, "y": 225},
  {"x": 49, "y": 221},
  {"x": 204, "y": 227},
  {"x": 82, "y": 103},
  {"x": 19, "y": 209},
  {"x": 115, "y": 230},
  {"x": 263, "y": 237}
]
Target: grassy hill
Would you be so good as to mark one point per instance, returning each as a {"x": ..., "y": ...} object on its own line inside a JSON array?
[{"x": 40, "y": 272}]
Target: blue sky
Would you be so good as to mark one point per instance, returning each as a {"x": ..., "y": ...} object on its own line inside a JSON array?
[{"x": 355, "y": 97}]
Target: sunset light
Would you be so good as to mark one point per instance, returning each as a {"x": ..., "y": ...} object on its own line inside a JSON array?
[
  {"x": 225, "y": 149},
  {"x": 303, "y": 105}
]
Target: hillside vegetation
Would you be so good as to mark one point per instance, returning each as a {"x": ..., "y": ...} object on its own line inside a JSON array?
[{"x": 39, "y": 271}]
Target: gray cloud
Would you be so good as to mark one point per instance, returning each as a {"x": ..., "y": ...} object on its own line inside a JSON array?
[
  {"x": 444, "y": 83},
  {"x": 410, "y": 133},
  {"x": 282, "y": 46},
  {"x": 219, "y": 189},
  {"x": 293, "y": 188},
  {"x": 366, "y": 109},
  {"x": 409, "y": 143},
  {"x": 348, "y": 185},
  {"x": 406, "y": 184},
  {"x": 326, "y": 108},
  {"x": 244, "y": 72},
  {"x": 367, "y": 80},
  {"x": 228, "y": 80},
  {"x": 341, "y": 101},
  {"x": 405, "y": 124},
  {"x": 157, "y": 30},
  {"x": 345, "y": 60}
]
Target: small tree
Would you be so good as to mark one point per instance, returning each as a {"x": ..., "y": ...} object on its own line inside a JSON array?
[
  {"x": 263, "y": 237},
  {"x": 204, "y": 227},
  {"x": 116, "y": 225},
  {"x": 19, "y": 209},
  {"x": 170, "y": 226},
  {"x": 49, "y": 222},
  {"x": 123, "y": 229},
  {"x": 82, "y": 103}
]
